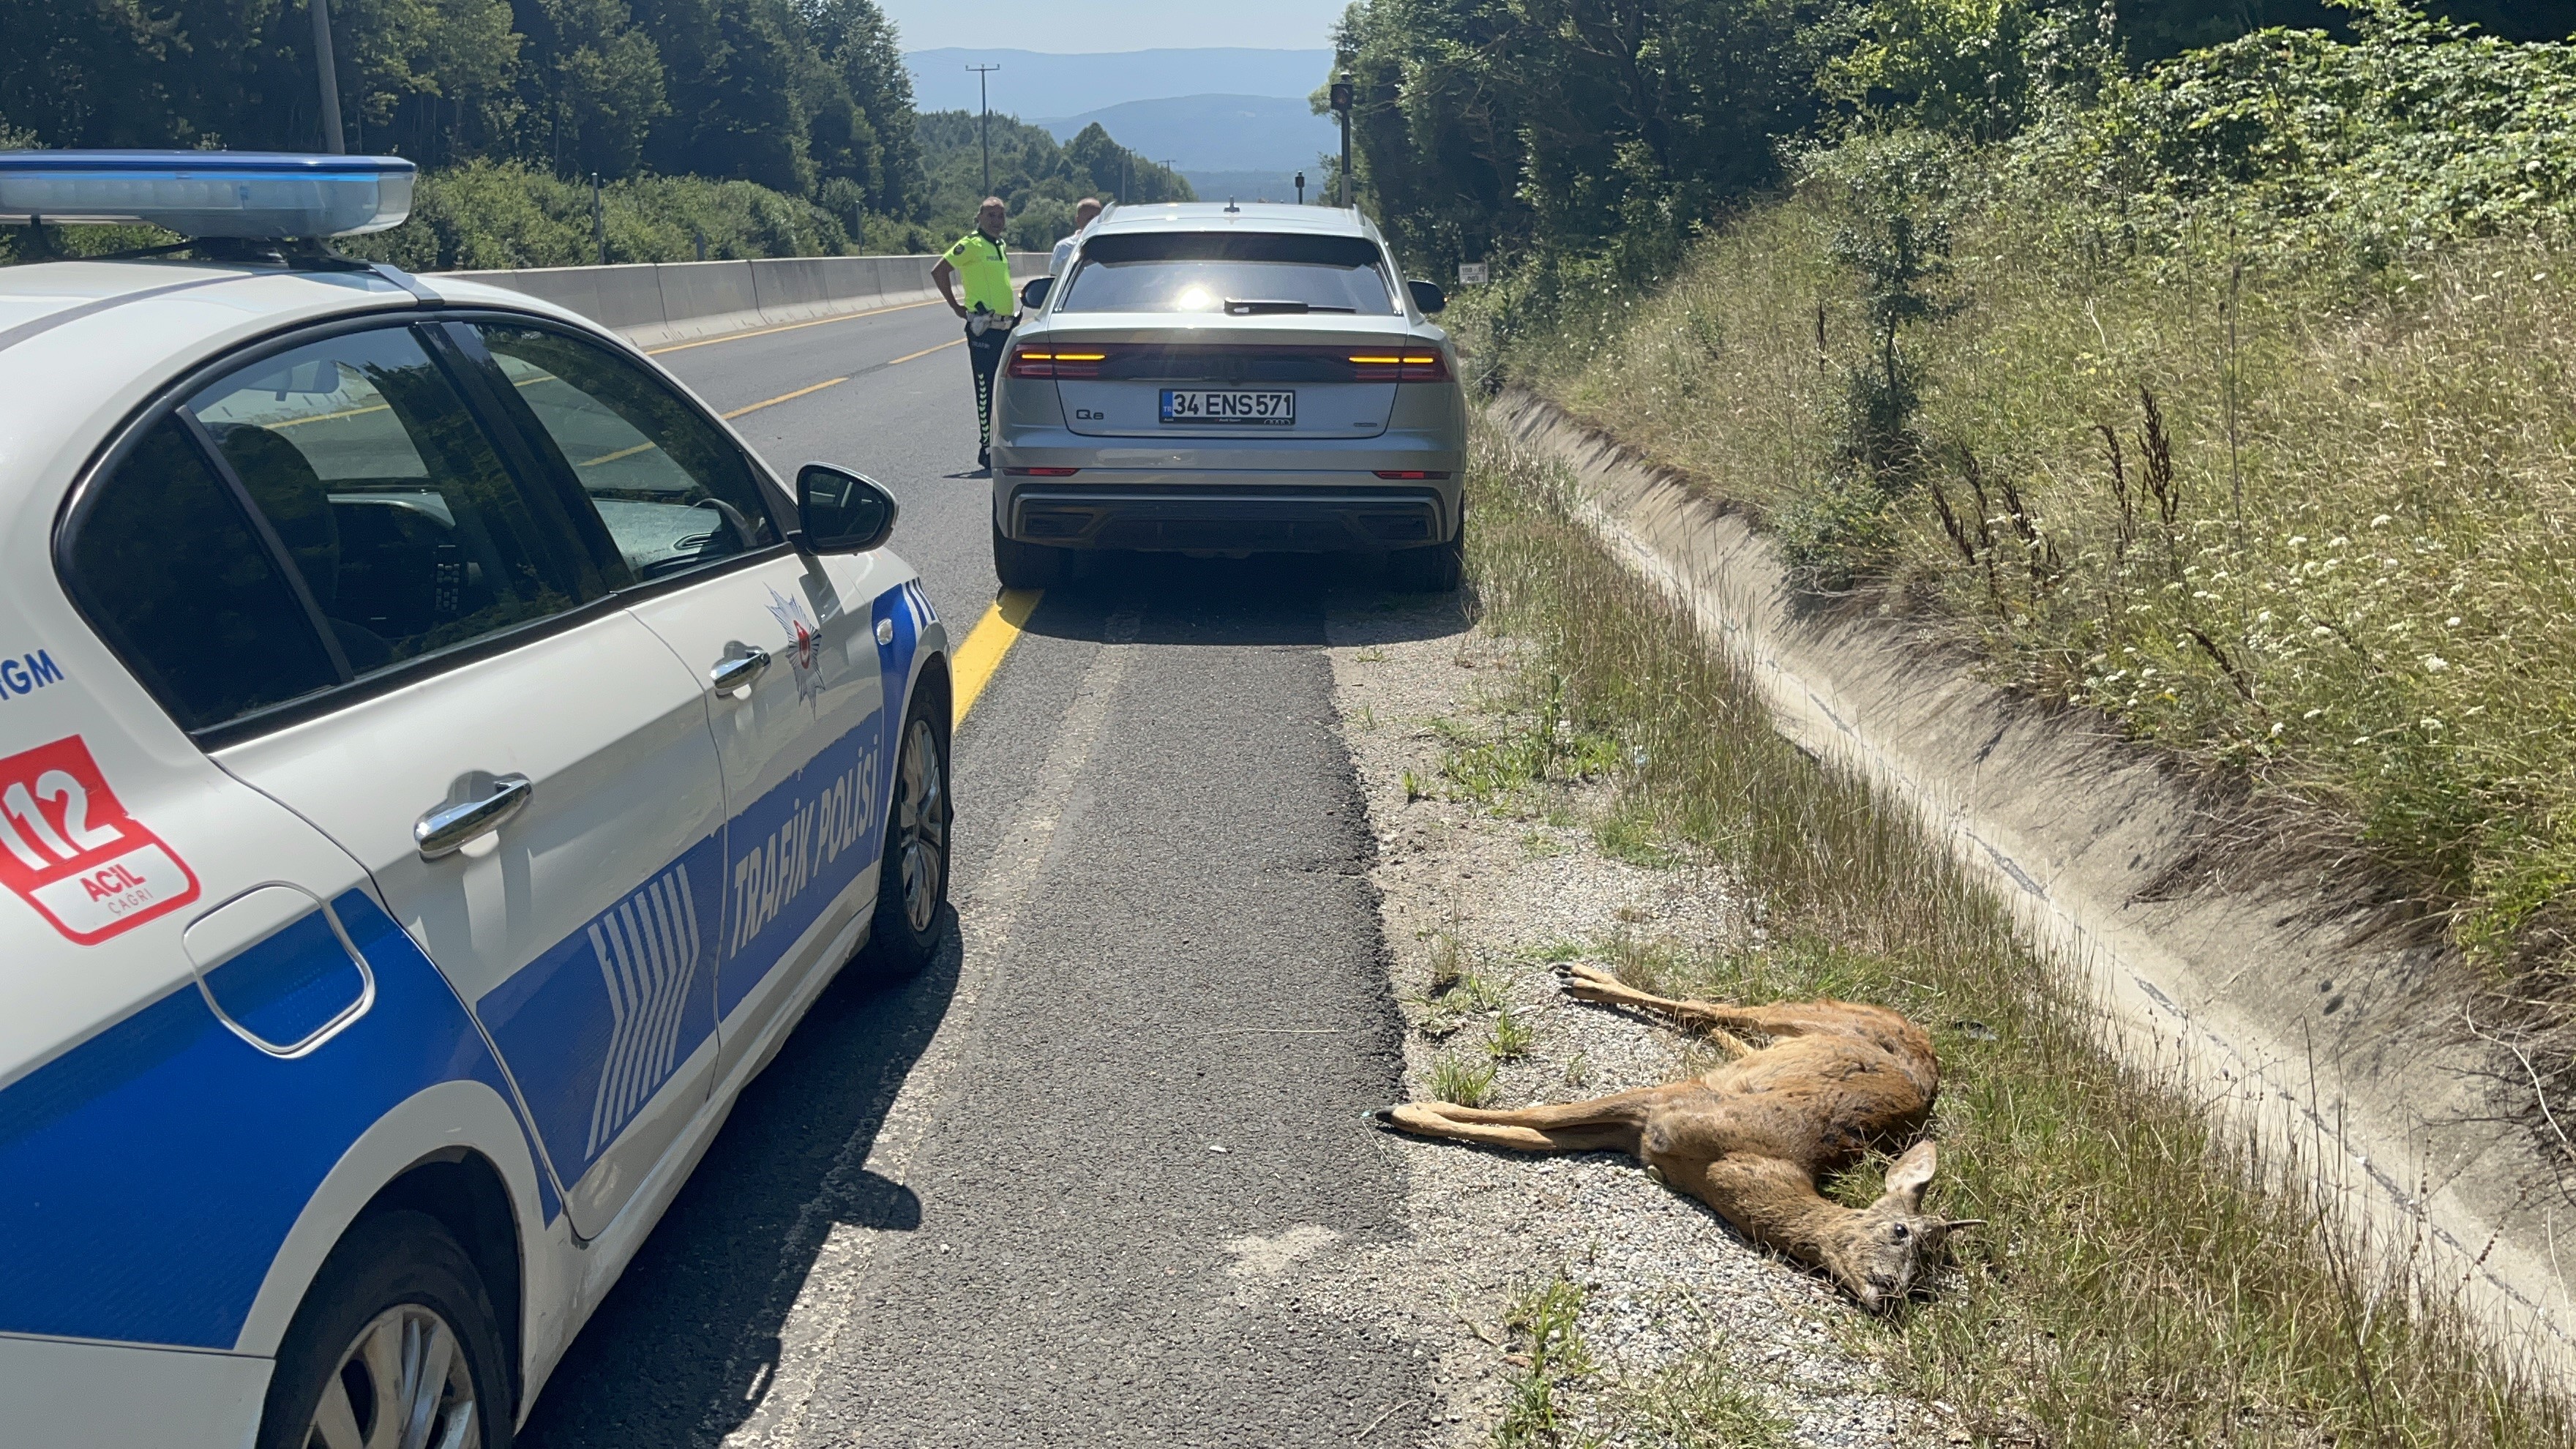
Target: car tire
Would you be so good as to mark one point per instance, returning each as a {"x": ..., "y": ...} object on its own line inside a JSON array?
[
  {"x": 912, "y": 884},
  {"x": 1025, "y": 565},
  {"x": 1434, "y": 570},
  {"x": 397, "y": 1291}
]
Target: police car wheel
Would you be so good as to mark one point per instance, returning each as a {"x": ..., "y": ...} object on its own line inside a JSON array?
[
  {"x": 913, "y": 884},
  {"x": 396, "y": 1343}
]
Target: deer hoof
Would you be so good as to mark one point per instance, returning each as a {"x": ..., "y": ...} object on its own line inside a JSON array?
[
  {"x": 1583, "y": 983},
  {"x": 1382, "y": 1116}
]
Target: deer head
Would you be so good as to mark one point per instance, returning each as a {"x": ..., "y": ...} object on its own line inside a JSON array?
[{"x": 1881, "y": 1249}]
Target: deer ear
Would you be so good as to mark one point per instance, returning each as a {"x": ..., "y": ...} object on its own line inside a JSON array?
[{"x": 1911, "y": 1173}]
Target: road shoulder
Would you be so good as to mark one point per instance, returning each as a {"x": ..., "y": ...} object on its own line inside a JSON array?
[{"x": 1484, "y": 879}]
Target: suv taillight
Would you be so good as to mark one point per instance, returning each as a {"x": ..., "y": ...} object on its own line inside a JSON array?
[
  {"x": 1051, "y": 362},
  {"x": 1393, "y": 366}
]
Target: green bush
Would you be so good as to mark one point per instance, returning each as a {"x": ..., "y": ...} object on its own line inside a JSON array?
[{"x": 488, "y": 214}]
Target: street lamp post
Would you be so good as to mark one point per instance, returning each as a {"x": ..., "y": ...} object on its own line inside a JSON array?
[
  {"x": 984, "y": 126},
  {"x": 329, "y": 73}
]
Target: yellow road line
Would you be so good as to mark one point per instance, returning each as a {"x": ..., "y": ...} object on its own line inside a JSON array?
[
  {"x": 647, "y": 447},
  {"x": 786, "y": 397},
  {"x": 327, "y": 417},
  {"x": 991, "y": 638},
  {"x": 925, "y": 352},
  {"x": 613, "y": 457},
  {"x": 786, "y": 327}
]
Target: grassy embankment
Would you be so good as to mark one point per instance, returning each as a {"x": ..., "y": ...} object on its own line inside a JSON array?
[
  {"x": 2146, "y": 1280},
  {"x": 2238, "y": 402}
]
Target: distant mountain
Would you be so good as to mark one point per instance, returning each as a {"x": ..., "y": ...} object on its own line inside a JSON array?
[
  {"x": 1033, "y": 84},
  {"x": 1214, "y": 133}
]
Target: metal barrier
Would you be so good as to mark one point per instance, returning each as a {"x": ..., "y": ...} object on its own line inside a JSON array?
[{"x": 656, "y": 302}]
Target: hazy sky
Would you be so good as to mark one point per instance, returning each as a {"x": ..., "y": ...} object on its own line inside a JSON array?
[{"x": 1077, "y": 26}]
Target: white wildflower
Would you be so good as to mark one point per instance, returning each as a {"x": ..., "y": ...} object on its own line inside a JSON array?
[
  {"x": 2277, "y": 727},
  {"x": 2382, "y": 521},
  {"x": 2452, "y": 622},
  {"x": 2435, "y": 663},
  {"x": 2312, "y": 714}
]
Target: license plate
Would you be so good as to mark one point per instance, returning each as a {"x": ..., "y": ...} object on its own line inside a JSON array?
[{"x": 1228, "y": 406}]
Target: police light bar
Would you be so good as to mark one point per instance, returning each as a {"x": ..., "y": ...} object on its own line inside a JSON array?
[{"x": 269, "y": 195}]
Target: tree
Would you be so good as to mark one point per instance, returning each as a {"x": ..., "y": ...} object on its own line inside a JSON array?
[
  {"x": 592, "y": 86},
  {"x": 864, "y": 131}
]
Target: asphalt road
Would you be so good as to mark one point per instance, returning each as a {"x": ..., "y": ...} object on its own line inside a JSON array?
[{"x": 997, "y": 1205}]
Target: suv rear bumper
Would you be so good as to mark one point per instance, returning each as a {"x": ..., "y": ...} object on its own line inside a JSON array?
[{"x": 1223, "y": 512}]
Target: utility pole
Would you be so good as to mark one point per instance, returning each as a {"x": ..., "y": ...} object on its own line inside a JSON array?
[
  {"x": 329, "y": 72},
  {"x": 598, "y": 221},
  {"x": 984, "y": 127},
  {"x": 1342, "y": 107},
  {"x": 1167, "y": 164}
]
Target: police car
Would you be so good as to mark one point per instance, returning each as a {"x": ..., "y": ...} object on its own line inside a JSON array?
[{"x": 438, "y": 765}]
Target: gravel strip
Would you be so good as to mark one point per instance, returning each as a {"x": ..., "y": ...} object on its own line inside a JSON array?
[{"x": 1496, "y": 893}]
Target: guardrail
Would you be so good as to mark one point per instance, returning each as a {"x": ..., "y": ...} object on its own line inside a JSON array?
[{"x": 658, "y": 302}]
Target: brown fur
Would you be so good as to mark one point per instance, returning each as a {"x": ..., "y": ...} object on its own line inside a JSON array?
[{"x": 1751, "y": 1138}]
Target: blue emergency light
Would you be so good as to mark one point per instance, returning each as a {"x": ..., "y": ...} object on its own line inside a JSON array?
[{"x": 265, "y": 195}]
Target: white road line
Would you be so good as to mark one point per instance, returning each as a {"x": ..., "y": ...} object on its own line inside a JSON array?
[{"x": 988, "y": 918}]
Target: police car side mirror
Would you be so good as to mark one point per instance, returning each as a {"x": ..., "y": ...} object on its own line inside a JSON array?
[
  {"x": 1427, "y": 297},
  {"x": 837, "y": 511},
  {"x": 1033, "y": 295}
]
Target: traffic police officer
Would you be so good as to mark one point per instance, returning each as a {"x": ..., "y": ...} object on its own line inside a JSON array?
[{"x": 989, "y": 309}]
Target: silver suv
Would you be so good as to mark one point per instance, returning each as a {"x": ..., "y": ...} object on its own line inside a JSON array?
[{"x": 1223, "y": 380}]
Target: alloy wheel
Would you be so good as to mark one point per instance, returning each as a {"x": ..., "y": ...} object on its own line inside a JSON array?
[
  {"x": 920, "y": 846},
  {"x": 404, "y": 1383}
]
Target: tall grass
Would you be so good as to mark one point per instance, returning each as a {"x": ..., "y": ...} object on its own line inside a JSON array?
[
  {"x": 2147, "y": 1279},
  {"x": 2299, "y": 521}
]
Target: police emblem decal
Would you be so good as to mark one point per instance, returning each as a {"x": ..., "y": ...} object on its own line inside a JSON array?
[{"x": 805, "y": 642}]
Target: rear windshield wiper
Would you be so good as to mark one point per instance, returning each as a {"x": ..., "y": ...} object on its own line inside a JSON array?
[{"x": 1259, "y": 307}]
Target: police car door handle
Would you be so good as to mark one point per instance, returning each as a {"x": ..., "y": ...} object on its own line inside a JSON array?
[
  {"x": 447, "y": 829},
  {"x": 737, "y": 671}
]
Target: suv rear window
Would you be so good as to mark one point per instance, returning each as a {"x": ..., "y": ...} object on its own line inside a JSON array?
[{"x": 1239, "y": 272}]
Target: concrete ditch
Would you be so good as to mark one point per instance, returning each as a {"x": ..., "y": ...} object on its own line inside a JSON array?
[{"x": 2348, "y": 1057}]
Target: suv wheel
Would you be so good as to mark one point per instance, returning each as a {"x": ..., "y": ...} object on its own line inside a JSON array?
[
  {"x": 395, "y": 1344},
  {"x": 912, "y": 885},
  {"x": 1433, "y": 570},
  {"x": 1025, "y": 565}
]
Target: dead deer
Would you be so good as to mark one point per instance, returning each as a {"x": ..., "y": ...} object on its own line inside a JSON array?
[{"x": 1750, "y": 1138}]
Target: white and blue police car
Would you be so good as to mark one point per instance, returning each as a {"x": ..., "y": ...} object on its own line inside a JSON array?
[{"x": 438, "y": 765}]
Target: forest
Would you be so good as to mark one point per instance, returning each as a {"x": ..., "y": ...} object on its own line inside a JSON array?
[
  {"x": 1492, "y": 128},
  {"x": 716, "y": 127}
]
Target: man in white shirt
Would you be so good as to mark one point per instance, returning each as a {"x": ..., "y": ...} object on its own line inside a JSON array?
[{"x": 1085, "y": 212}]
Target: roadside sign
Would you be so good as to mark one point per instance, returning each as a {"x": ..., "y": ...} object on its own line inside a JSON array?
[{"x": 1471, "y": 274}]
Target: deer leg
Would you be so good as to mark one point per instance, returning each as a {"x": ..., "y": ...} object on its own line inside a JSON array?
[
  {"x": 1604, "y": 1124},
  {"x": 1586, "y": 983}
]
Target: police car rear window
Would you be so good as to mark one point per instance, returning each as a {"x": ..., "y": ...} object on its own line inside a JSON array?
[
  {"x": 166, "y": 565},
  {"x": 409, "y": 533}
]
